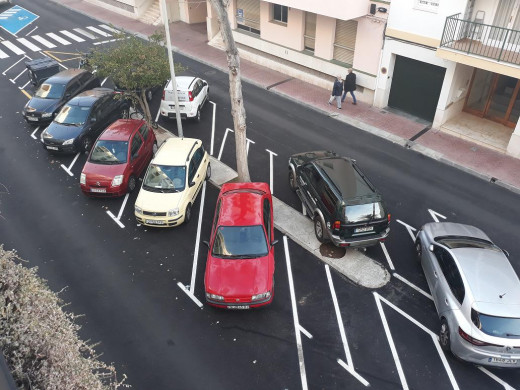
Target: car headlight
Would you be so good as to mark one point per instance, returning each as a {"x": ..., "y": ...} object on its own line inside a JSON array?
[
  {"x": 46, "y": 114},
  {"x": 68, "y": 142},
  {"x": 44, "y": 134},
  {"x": 215, "y": 297},
  {"x": 173, "y": 212},
  {"x": 82, "y": 179},
  {"x": 117, "y": 180},
  {"x": 138, "y": 209},
  {"x": 265, "y": 295}
]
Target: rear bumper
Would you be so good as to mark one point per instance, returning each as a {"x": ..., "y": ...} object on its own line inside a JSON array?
[
  {"x": 239, "y": 305},
  {"x": 360, "y": 241}
]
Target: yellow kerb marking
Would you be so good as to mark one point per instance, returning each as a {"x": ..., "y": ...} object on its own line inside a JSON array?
[{"x": 26, "y": 93}]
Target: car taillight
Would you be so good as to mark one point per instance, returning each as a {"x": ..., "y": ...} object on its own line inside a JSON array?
[
  {"x": 474, "y": 341},
  {"x": 190, "y": 96},
  {"x": 337, "y": 225},
  {"x": 163, "y": 94},
  {"x": 389, "y": 216}
]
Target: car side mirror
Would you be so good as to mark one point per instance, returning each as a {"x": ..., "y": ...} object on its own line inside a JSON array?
[
  {"x": 205, "y": 83},
  {"x": 274, "y": 242},
  {"x": 192, "y": 183},
  {"x": 431, "y": 247},
  {"x": 206, "y": 243}
]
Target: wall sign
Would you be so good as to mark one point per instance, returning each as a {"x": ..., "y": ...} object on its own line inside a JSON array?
[{"x": 427, "y": 5}]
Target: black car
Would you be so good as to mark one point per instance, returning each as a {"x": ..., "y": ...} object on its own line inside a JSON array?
[
  {"x": 55, "y": 92},
  {"x": 345, "y": 206},
  {"x": 82, "y": 120}
]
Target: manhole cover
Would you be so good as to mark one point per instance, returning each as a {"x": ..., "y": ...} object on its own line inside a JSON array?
[{"x": 329, "y": 250}]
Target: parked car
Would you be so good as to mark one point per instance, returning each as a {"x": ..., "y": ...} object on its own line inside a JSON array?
[
  {"x": 240, "y": 265},
  {"x": 55, "y": 92},
  {"x": 345, "y": 206},
  {"x": 192, "y": 93},
  {"x": 82, "y": 119},
  {"x": 476, "y": 292},
  {"x": 118, "y": 158},
  {"x": 172, "y": 182}
]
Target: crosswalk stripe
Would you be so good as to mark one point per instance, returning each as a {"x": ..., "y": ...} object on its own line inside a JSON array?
[
  {"x": 98, "y": 31},
  {"x": 111, "y": 29},
  {"x": 58, "y": 39},
  {"x": 72, "y": 36},
  {"x": 28, "y": 44},
  {"x": 3, "y": 55},
  {"x": 12, "y": 47},
  {"x": 85, "y": 33},
  {"x": 43, "y": 41}
]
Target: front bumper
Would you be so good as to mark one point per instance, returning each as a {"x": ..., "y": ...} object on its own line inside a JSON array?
[
  {"x": 95, "y": 191},
  {"x": 36, "y": 118},
  {"x": 159, "y": 221},
  {"x": 59, "y": 148},
  {"x": 364, "y": 241}
]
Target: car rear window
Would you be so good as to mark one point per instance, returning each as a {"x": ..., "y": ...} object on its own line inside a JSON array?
[
  {"x": 109, "y": 152},
  {"x": 240, "y": 242},
  {"x": 454, "y": 242},
  {"x": 507, "y": 327},
  {"x": 363, "y": 212}
]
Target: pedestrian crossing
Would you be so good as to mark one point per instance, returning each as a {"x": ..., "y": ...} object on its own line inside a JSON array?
[{"x": 35, "y": 43}]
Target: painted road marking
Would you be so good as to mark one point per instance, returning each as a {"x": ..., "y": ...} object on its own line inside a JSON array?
[
  {"x": 68, "y": 169},
  {"x": 3, "y": 55},
  {"x": 118, "y": 218},
  {"x": 21, "y": 59},
  {"x": 212, "y": 127},
  {"x": 297, "y": 332},
  {"x": 19, "y": 74},
  {"x": 305, "y": 331},
  {"x": 13, "y": 48},
  {"x": 188, "y": 293},
  {"x": 248, "y": 141},
  {"x": 25, "y": 85},
  {"x": 435, "y": 214},
  {"x": 197, "y": 240},
  {"x": 72, "y": 36},
  {"x": 98, "y": 31},
  {"x": 413, "y": 286},
  {"x": 223, "y": 143},
  {"x": 350, "y": 363},
  {"x": 271, "y": 168},
  {"x": 110, "y": 29},
  {"x": 506, "y": 386},
  {"x": 110, "y": 40},
  {"x": 30, "y": 32},
  {"x": 58, "y": 38},
  {"x": 26, "y": 94},
  {"x": 387, "y": 256},
  {"x": 15, "y": 19},
  {"x": 85, "y": 33},
  {"x": 34, "y": 132},
  {"x": 43, "y": 41},
  {"x": 409, "y": 228},
  {"x": 28, "y": 44}
]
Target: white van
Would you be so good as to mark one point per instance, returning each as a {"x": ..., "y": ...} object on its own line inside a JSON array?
[{"x": 192, "y": 93}]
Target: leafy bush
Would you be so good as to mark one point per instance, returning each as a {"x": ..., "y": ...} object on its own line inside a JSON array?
[{"x": 40, "y": 340}]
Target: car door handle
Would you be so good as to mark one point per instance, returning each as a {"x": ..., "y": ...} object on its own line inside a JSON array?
[{"x": 435, "y": 274}]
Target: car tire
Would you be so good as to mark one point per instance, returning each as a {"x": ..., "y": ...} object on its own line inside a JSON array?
[
  {"x": 292, "y": 180},
  {"x": 132, "y": 183},
  {"x": 86, "y": 144},
  {"x": 444, "y": 336},
  {"x": 418, "y": 249},
  {"x": 187, "y": 213},
  {"x": 319, "y": 229},
  {"x": 197, "y": 117},
  {"x": 208, "y": 172}
]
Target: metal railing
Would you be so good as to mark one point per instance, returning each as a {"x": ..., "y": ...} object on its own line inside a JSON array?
[{"x": 493, "y": 42}]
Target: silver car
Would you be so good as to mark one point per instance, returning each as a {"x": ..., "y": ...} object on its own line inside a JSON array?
[{"x": 476, "y": 292}]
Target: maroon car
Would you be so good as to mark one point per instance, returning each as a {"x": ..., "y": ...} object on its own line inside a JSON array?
[{"x": 119, "y": 156}]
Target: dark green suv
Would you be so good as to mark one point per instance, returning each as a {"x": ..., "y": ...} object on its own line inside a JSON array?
[{"x": 345, "y": 207}]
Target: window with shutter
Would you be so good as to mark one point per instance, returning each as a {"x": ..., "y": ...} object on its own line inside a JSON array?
[
  {"x": 248, "y": 15},
  {"x": 345, "y": 41},
  {"x": 309, "y": 36}
]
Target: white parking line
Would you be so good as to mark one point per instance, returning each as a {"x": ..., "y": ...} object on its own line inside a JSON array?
[
  {"x": 213, "y": 127},
  {"x": 299, "y": 346},
  {"x": 99, "y": 32},
  {"x": 409, "y": 228},
  {"x": 350, "y": 363},
  {"x": 123, "y": 206},
  {"x": 85, "y": 33},
  {"x": 271, "y": 169},
  {"x": 354, "y": 373},
  {"x": 104, "y": 80},
  {"x": 43, "y": 41},
  {"x": 58, "y": 38},
  {"x": 390, "y": 264},
  {"x": 447, "y": 367},
  {"x": 305, "y": 331},
  {"x": 28, "y": 44},
  {"x": 197, "y": 241},
  {"x": 413, "y": 286},
  {"x": 30, "y": 32},
  {"x": 34, "y": 132},
  {"x": 21, "y": 59},
  {"x": 158, "y": 113},
  {"x": 25, "y": 85},
  {"x": 19, "y": 74},
  {"x": 108, "y": 41},
  {"x": 188, "y": 293},
  {"x": 3, "y": 55},
  {"x": 13, "y": 48},
  {"x": 118, "y": 218},
  {"x": 72, "y": 36},
  {"x": 223, "y": 143},
  {"x": 248, "y": 141},
  {"x": 435, "y": 214},
  {"x": 59, "y": 63},
  {"x": 507, "y": 386},
  {"x": 68, "y": 169}
]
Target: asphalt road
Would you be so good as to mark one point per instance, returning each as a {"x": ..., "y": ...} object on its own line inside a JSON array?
[{"x": 125, "y": 279}]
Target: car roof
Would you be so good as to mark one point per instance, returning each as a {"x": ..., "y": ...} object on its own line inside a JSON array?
[
  {"x": 64, "y": 76},
  {"x": 88, "y": 98},
  {"x": 489, "y": 275},
  {"x": 183, "y": 82},
  {"x": 175, "y": 151},
  {"x": 242, "y": 204},
  {"x": 122, "y": 129}
]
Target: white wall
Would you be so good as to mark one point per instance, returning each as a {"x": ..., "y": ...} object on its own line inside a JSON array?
[{"x": 337, "y": 9}]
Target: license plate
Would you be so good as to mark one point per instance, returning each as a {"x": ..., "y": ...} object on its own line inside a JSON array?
[
  {"x": 364, "y": 229},
  {"x": 52, "y": 147},
  {"x": 502, "y": 360},
  {"x": 239, "y": 307},
  {"x": 31, "y": 118},
  {"x": 98, "y": 190},
  {"x": 154, "y": 222}
]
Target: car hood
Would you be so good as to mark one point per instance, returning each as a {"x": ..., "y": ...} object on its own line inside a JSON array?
[
  {"x": 238, "y": 277},
  {"x": 157, "y": 201},
  {"x": 63, "y": 132},
  {"x": 102, "y": 172},
  {"x": 43, "y": 105},
  {"x": 302, "y": 158}
]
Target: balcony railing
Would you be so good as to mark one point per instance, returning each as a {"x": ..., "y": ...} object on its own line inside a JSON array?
[{"x": 493, "y": 42}]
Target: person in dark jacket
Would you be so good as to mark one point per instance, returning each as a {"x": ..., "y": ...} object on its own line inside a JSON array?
[
  {"x": 349, "y": 86},
  {"x": 336, "y": 92}
]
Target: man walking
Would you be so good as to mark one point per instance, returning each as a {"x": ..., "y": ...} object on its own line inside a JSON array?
[
  {"x": 350, "y": 86},
  {"x": 336, "y": 92}
]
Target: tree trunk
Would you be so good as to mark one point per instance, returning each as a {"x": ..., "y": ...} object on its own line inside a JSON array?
[{"x": 235, "y": 89}]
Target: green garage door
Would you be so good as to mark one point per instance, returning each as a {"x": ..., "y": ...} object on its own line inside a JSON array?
[{"x": 416, "y": 87}]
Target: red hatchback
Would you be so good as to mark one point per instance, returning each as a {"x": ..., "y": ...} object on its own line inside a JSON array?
[
  {"x": 240, "y": 265},
  {"x": 119, "y": 156}
]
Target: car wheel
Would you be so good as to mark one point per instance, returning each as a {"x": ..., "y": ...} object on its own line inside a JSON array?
[
  {"x": 319, "y": 229},
  {"x": 132, "y": 183},
  {"x": 208, "y": 172},
  {"x": 197, "y": 117},
  {"x": 418, "y": 249},
  {"x": 187, "y": 214},
  {"x": 86, "y": 144},
  {"x": 444, "y": 336},
  {"x": 292, "y": 180}
]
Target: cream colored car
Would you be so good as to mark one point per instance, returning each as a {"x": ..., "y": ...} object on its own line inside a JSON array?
[{"x": 172, "y": 182}]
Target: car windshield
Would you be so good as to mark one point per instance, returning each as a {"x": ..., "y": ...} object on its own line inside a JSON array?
[
  {"x": 507, "y": 327},
  {"x": 165, "y": 178},
  {"x": 109, "y": 152},
  {"x": 240, "y": 242},
  {"x": 454, "y": 242},
  {"x": 50, "y": 91},
  {"x": 363, "y": 212},
  {"x": 72, "y": 115}
]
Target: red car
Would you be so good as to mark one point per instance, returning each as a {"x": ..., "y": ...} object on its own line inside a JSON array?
[
  {"x": 119, "y": 156},
  {"x": 240, "y": 266}
]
